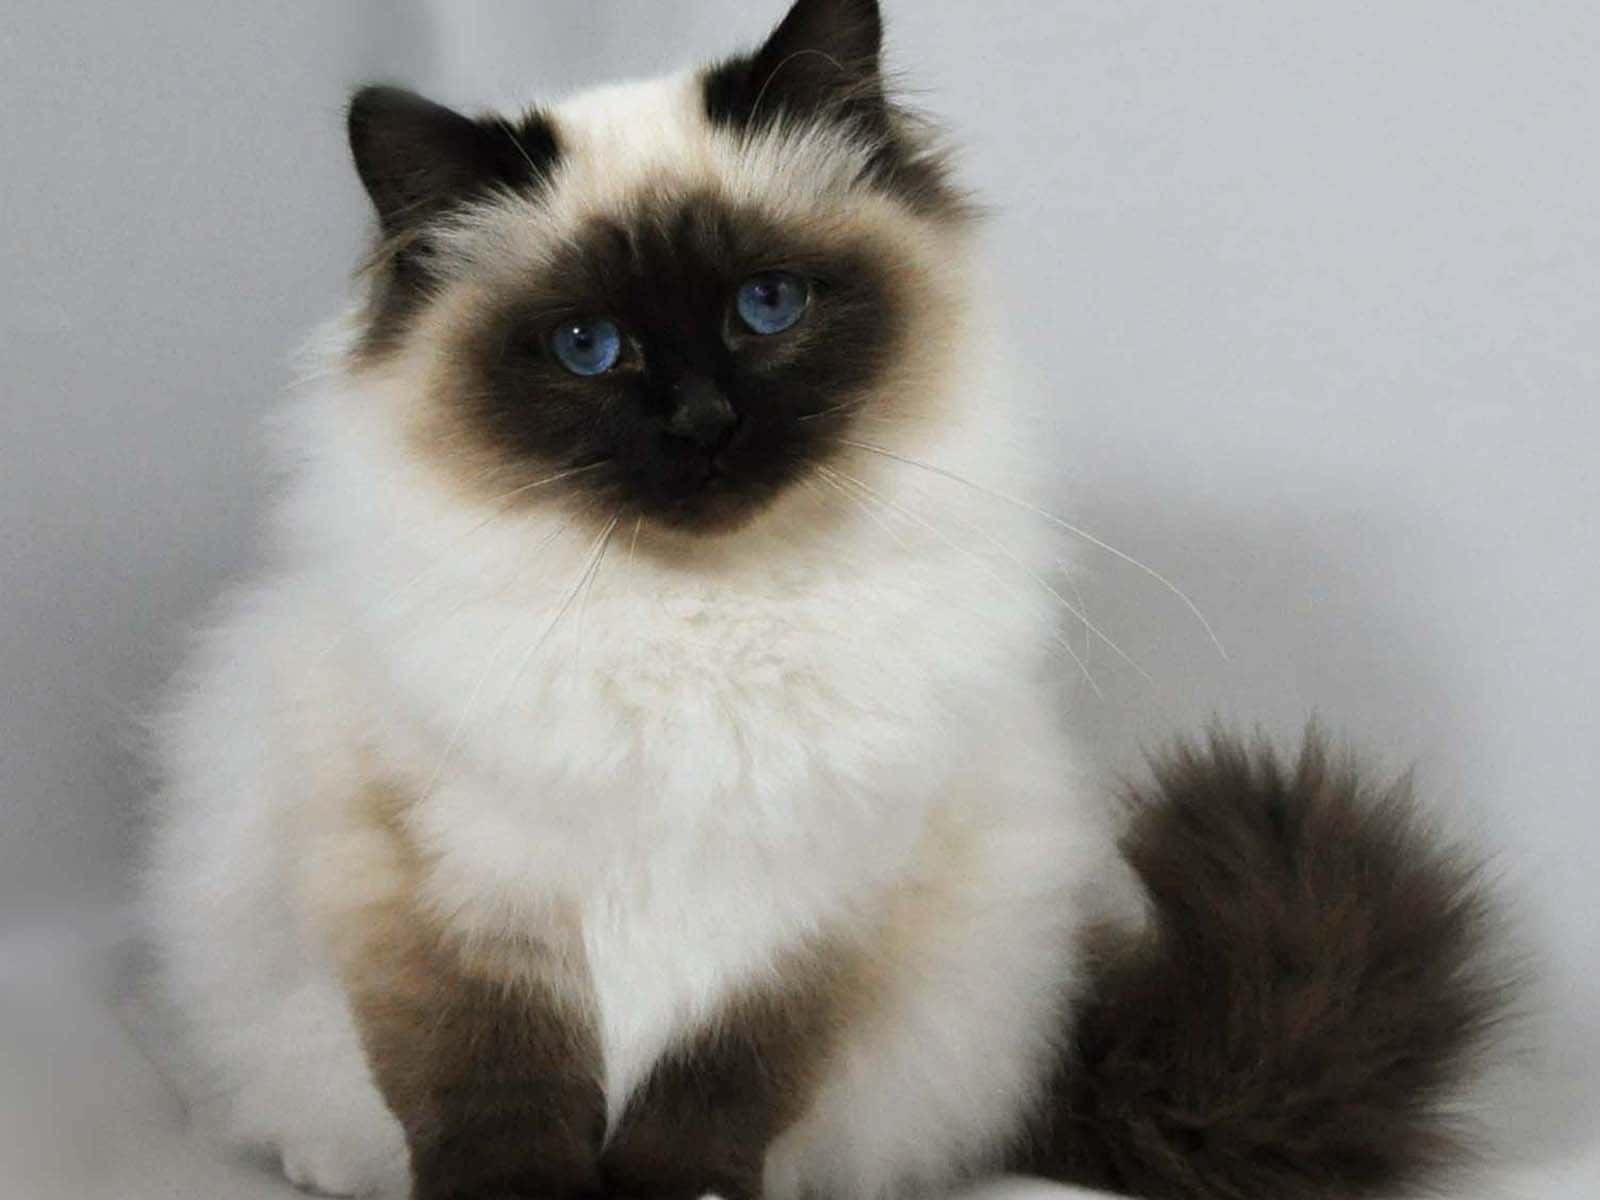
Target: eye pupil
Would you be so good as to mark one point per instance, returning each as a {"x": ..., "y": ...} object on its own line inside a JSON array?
[{"x": 772, "y": 302}]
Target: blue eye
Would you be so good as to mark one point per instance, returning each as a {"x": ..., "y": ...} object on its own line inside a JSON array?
[
  {"x": 590, "y": 346},
  {"x": 773, "y": 301}
]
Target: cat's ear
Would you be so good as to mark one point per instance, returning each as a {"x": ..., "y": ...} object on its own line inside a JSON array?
[
  {"x": 844, "y": 35},
  {"x": 417, "y": 158},
  {"x": 824, "y": 59}
]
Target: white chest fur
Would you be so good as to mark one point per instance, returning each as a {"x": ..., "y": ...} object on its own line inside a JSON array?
[
  {"x": 708, "y": 754},
  {"x": 705, "y": 795}
]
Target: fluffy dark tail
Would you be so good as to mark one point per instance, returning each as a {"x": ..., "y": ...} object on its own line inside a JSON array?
[{"x": 1316, "y": 983}]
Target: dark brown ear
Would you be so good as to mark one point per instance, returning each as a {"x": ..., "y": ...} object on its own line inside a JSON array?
[
  {"x": 417, "y": 158},
  {"x": 823, "y": 60}
]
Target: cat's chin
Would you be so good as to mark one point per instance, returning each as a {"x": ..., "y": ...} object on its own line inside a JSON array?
[
  {"x": 718, "y": 510},
  {"x": 722, "y": 503}
]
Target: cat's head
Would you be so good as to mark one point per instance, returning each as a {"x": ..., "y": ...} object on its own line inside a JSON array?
[{"x": 676, "y": 299}]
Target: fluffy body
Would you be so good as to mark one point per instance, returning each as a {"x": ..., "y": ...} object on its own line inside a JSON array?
[
  {"x": 510, "y": 717},
  {"x": 841, "y": 722}
]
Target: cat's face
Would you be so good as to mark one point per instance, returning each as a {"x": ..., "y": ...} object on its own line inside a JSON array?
[{"x": 684, "y": 294}]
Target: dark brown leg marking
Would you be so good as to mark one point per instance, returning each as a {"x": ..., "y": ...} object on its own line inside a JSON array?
[
  {"x": 705, "y": 1119},
  {"x": 495, "y": 1082},
  {"x": 489, "y": 1056}
]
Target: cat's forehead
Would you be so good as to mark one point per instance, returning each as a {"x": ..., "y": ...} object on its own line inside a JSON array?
[
  {"x": 634, "y": 127},
  {"x": 630, "y": 154}
]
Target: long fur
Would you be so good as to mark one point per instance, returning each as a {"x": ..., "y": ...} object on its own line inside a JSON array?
[
  {"x": 1316, "y": 984},
  {"x": 765, "y": 842}
]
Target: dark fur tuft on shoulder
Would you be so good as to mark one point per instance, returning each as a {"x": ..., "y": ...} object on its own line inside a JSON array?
[{"x": 1317, "y": 979}]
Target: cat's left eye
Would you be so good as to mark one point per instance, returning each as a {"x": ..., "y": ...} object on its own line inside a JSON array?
[{"x": 772, "y": 302}]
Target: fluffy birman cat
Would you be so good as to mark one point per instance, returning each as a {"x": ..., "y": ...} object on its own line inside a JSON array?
[{"x": 640, "y": 768}]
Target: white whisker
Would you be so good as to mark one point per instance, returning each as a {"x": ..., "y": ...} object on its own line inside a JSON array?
[
  {"x": 755, "y": 109},
  {"x": 596, "y": 551},
  {"x": 1059, "y": 522},
  {"x": 633, "y": 548},
  {"x": 583, "y": 600},
  {"x": 450, "y": 553},
  {"x": 1080, "y": 611},
  {"x": 467, "y": 712},
  {"x": 549, "y": 479},
  {"x": 985, "y": 566},
  {"x": 828, "y": 412},
  {"x": 1083, "y": 604},
  {"x": 516, "y": 141},
  {"x": 832, "y": 480},
  {"x": 822, "y": 497},
  {"x": 467, "y": 709}
]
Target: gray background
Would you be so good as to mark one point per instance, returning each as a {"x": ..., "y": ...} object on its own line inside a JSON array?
[{"x": 1311, "y": 291}]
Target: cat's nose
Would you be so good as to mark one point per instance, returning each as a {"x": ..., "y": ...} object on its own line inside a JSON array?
[{"x": 701, "y": 414}]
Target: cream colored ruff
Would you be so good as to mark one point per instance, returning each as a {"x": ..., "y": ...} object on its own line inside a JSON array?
[{"x": 841, "y": 721}]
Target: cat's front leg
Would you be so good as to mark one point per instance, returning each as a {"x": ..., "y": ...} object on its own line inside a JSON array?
[
  {"x": 703, "y": 1123},
  {"x": 494, "y": 1076}
]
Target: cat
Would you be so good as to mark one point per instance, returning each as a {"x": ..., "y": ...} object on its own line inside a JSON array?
[{"x": 640, "y": 768}]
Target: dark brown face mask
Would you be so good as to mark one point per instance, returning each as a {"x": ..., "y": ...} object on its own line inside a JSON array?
[
  {"x": 698, "y": 358},
  {"x": 690, "y": 355}
]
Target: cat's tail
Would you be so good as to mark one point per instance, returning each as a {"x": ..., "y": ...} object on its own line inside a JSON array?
[{"x": 1317, "y": 982}]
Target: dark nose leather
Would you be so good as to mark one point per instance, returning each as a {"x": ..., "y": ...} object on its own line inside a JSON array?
[{"x": 701, "y": 414}]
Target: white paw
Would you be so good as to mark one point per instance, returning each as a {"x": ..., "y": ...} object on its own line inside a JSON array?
[{"x": 342, "y": 1163}]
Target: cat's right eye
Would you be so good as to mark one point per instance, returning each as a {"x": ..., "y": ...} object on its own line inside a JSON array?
[{"x": 588, "y": 346}]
